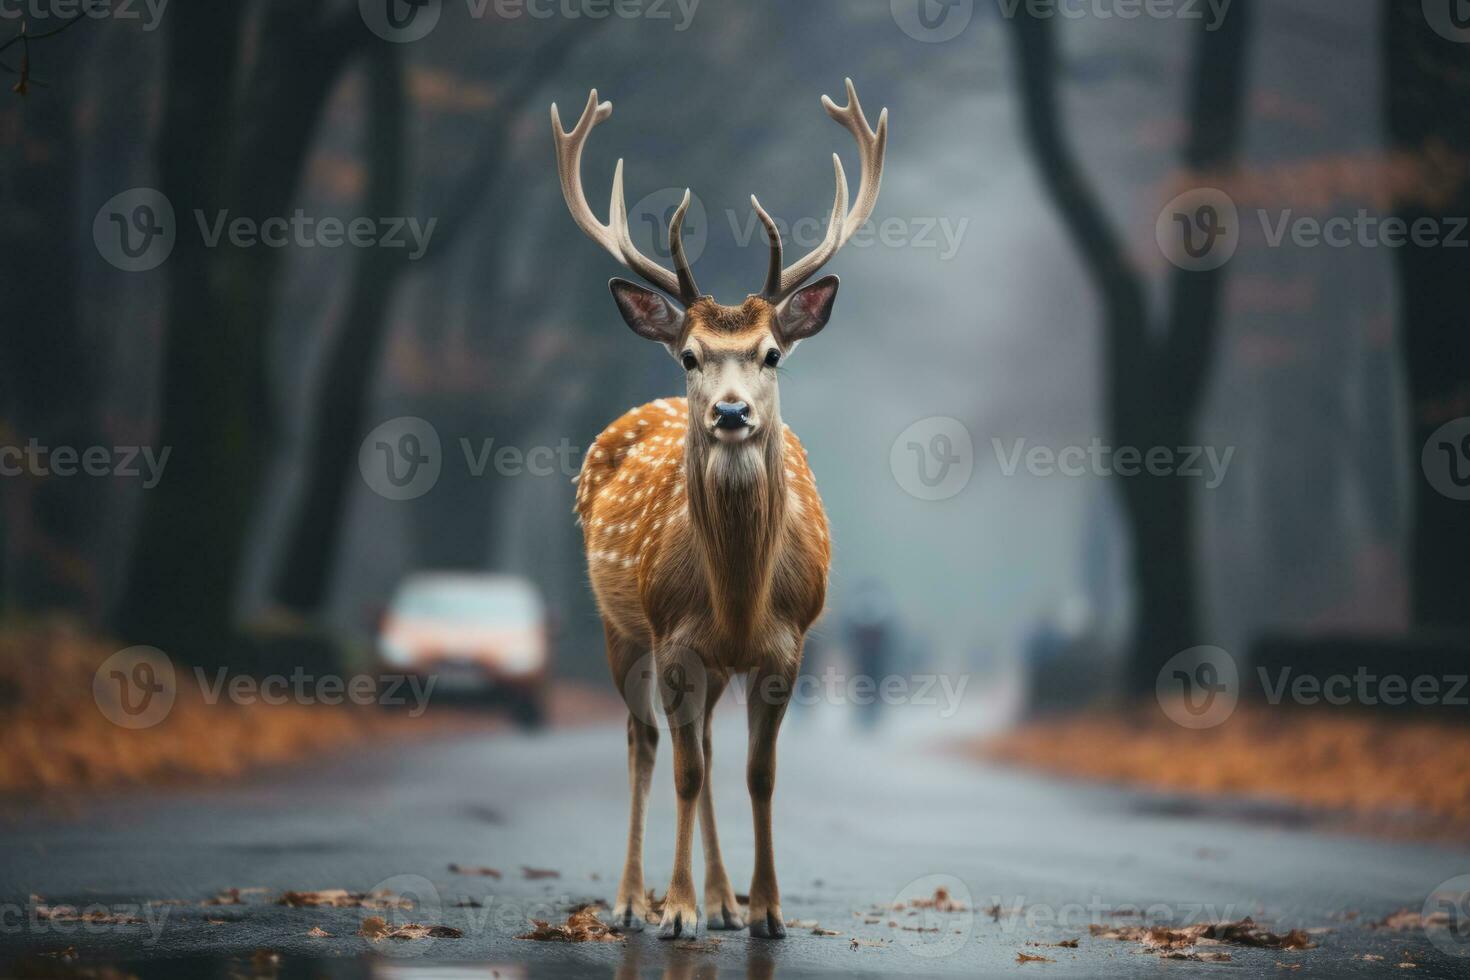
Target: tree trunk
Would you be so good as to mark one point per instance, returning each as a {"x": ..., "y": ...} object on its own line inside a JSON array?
[
  {"x": 181, "y": 588},
  {"x": 1153, "y": 381},
  {"x": 352, "y": 357},
  {"x": 314, "y": 534},
  {"x": 1428, "y": 114},
  {"x": 48, "y": 364}
]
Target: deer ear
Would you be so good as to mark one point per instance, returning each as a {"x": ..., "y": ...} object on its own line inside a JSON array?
[
  {"x": 647, "y": 312},
  {"x": 805, "y": 312}
]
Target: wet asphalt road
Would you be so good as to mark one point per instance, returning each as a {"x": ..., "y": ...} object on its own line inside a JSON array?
[{"x": 859, "y": 821}]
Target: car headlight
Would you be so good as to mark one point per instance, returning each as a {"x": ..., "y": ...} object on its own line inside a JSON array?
[
  {"x": 520, "y": 659},
  {"x": 394, "y": 651}
]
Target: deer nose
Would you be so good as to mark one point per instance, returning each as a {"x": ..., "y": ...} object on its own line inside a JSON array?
[{"x": 731, "y": 415}]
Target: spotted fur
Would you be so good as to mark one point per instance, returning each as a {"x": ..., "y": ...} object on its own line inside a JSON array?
[{"x": 660, "y": 564}]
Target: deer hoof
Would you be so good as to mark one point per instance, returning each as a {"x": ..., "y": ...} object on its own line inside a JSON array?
[
  {"x": 768, "y": 926},
  {"x": 627, "y": 920},
  {"x": 680, "y": 924},
  {"x": 724, "y": 917}
]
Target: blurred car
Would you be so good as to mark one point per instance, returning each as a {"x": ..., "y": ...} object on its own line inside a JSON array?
[{"x": 481, "y": 635}]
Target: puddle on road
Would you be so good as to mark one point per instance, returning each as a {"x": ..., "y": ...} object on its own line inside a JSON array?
[{"x": 632, "y": 961}]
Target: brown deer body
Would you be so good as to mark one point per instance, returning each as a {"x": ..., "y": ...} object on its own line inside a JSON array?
[{"x": 707, "y": 545}]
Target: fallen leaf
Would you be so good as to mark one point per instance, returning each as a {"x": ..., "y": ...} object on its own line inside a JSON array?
[
  {"x": 585, "y": 904},
  {"x": 93, "y": 916},
  {"x": 375, "y": 928},
  {"x": 468, "y": 869},
  {"x": 581, "y": 927},
  {"x": 941, "y": 902},
  {"x": 535, "y": 874},
  {"x": 1028, "y": 958},
  {"x": 230, "y": 896},
  {"x": 317, "y": 932},
  {"x": 338, "y": 898},
  {"x": 1165, "y": 941},
  {"x": 1405, "y": 920}
]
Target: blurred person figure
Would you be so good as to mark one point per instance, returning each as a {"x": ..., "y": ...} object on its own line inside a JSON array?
[
  {"x": 871, "y": 635},
  {"x": 1060, "y": 654}
]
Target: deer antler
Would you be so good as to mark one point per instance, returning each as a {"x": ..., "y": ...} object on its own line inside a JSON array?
[
  {"x": 843, "y": 223},
  {"x": 614, "y": 235}
]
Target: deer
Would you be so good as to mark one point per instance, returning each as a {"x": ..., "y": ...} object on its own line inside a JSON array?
[{"x": 707, "y": 545}]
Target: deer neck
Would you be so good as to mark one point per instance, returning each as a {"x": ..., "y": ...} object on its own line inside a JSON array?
[{"x": 737, "y": 510}]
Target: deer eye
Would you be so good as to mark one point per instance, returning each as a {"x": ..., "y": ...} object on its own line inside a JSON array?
[
  {"x": 690, "y": 361},
  {"x": 773, "y": 357}
]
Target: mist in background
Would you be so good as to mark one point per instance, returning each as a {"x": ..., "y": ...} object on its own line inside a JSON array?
[{"x": 976, "y": 306}]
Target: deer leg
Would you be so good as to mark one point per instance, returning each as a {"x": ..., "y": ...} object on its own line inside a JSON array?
[
  {"x": 719, "y": 898},
  {"x": 770, "y": 690},
  {"x": 631, "y": 910},
  {"x": 681, "y": 912}
]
